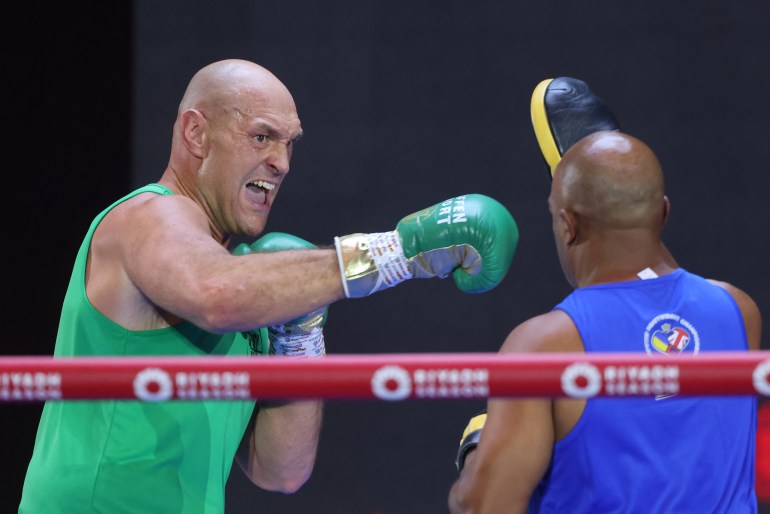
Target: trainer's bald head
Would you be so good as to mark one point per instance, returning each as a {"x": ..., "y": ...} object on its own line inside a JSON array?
[
  {"x": 228, "y": 83},
  {"x": 611, "y": 180}
]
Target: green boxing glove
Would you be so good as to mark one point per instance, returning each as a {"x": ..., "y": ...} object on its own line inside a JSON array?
[
  {"x": 472, "y": 237},
  {"x": 301, "y": 337}
]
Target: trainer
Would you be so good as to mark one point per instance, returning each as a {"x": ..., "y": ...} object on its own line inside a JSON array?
[{"x": 666, "y": 454}]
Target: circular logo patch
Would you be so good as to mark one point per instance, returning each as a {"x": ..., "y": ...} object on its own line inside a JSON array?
[{"x": 670, "y": 334}]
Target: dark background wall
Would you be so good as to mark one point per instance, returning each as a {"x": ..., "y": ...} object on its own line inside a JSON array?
[
  {"x": 66, "y": 115},
  {"x": 404, "y": 104}
]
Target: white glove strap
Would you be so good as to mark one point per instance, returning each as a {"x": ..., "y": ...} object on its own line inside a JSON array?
[
  {"x": 371, "y": 262},
  {"x": 388, "y": 256},
  {"x": 299, "y": 345}
]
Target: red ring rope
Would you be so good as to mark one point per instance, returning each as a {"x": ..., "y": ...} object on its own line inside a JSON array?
[{"x": 384, "y": 376}]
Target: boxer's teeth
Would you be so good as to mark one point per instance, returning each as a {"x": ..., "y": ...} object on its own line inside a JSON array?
[{"x": 264, "y": 185}]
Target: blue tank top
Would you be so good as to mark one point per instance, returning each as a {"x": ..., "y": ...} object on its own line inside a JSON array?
[{"x": 676, "y": 454}]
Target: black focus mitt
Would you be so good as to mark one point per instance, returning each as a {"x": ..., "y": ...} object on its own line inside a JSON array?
[{"x": 564, "y": 110}]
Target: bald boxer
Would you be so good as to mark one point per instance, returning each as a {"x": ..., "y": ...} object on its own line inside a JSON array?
[
  {"x": 155, "y": 276},
  {"x": 619, "y": 455}
]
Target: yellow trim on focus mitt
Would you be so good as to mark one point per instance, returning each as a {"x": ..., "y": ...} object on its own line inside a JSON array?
[{"x": 545, "y": 139}]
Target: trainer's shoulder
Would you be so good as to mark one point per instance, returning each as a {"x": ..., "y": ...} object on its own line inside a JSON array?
[
  {"x": 752, "y": 318},
  {"x": 739, "y": 294},
  {"x": 553, "y": 331}
]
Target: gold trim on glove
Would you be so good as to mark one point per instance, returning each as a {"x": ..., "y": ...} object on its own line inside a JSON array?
[{"x": 371, "y": 262}]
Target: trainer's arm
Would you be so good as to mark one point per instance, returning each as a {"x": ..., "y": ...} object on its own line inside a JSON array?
[
  {"x": 279, "y": 454},
  {"x": 517, "y": 439}
]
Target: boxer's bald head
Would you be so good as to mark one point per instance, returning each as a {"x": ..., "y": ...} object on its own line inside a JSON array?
[{"x": 232, "y": 83}]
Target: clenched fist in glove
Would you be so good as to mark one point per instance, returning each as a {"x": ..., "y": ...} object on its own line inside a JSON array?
[
  {"x": 301, "y": 337},
  {"x": 472, "y": 237}
]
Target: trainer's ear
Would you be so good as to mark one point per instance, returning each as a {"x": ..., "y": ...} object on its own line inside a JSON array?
[
  {"x": 666, "y": 210},
  {"x": 193, "y": 130},
  {"x": 568, "y": 227}
]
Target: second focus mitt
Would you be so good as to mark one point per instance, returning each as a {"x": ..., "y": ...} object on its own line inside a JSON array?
[{"x": 470, "y": 438}]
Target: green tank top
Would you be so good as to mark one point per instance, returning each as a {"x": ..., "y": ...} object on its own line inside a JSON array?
[{"x": 126, "y": 456}]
